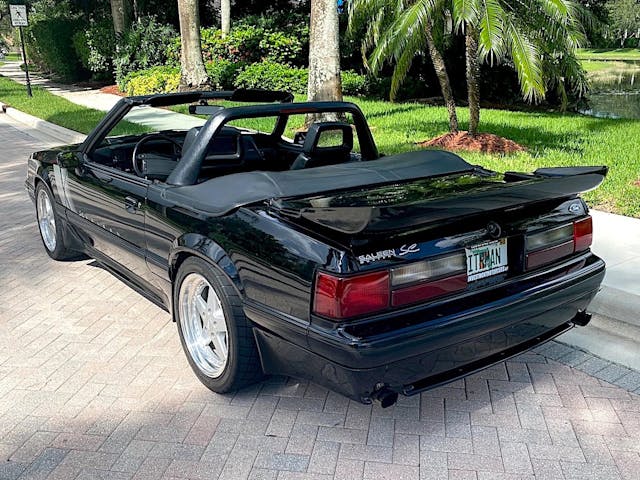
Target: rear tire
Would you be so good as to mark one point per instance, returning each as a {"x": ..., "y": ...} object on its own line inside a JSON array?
[
  {"x": 50, "y": 226},
  {"x": 216, "y": 336}
]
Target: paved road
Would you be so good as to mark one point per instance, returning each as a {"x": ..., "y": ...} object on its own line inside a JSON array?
[{"x": 94, "y": 385}]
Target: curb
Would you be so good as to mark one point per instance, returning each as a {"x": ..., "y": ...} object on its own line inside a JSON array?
[
  {"x": 54, "y": 132},
  {"x": 619, "y": 309}
]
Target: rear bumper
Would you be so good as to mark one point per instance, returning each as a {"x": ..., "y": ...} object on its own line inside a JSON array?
[{"x": 439, "y": 350}]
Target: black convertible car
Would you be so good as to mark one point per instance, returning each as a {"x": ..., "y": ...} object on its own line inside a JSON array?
[{"x": 316, "y": 256}]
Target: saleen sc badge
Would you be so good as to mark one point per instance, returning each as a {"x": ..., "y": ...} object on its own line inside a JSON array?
[{"x": 391, "y": 253}]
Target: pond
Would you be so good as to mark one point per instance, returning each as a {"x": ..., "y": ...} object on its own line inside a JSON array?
[{"x": 615, "y": 89}]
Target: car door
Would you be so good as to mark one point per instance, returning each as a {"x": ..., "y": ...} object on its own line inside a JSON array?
[{"x": 108, "y": 207}]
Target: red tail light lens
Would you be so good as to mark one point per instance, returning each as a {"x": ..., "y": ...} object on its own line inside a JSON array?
[
  {"x": 338, "y": 298},
  {"x": 545, "y": 244},
  {"x": 583, "y": 234}
]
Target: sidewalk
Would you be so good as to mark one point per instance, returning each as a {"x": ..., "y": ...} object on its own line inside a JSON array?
[{"x": 614, "y": 333}]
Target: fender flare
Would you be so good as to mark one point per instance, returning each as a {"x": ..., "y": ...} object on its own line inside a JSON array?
[{"x": 198, "y": 245}]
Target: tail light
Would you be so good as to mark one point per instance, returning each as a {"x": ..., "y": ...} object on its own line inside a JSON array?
[
  {"x": 553, "y": 244},
  {"x": 344, "y": 297},
  {"x": 337, "y": 297},
  {"x": 583, "y": 234}
]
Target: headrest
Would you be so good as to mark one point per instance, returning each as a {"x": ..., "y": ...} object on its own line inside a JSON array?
[{"x": 313, "y": 146}]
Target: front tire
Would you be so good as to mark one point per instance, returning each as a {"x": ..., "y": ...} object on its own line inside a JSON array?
[
  {"x": 215, "y": 334},
  {"x": 50, "y": 225}
]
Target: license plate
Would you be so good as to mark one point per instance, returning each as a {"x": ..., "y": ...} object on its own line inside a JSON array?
[{"x": 487, "y": 259}]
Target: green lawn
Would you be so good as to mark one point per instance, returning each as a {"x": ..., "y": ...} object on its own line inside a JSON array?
[
  {"x": 609, "y": 54},
  {"x": 13, "y": 57},
  {"x": 56, "y": 109},
  {"x": 551, "y": 139},
  {"x": 591, "y": 66}
]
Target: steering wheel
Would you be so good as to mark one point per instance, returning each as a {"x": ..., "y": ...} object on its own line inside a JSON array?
[{"x": 138, "y": 157}]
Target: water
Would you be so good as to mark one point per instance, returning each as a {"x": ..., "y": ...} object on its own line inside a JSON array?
[{"x": 615, "y": 90}]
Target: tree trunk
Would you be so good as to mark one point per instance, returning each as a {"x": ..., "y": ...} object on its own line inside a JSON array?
[
  {"x": 325, "y": 83},
  {"x": 473, "y": 79},
  {"x": 443, "y": 78},
  {"x": 193, "y": 74},
  {"x": 225, "y": 16},
  {"x": 119, "y": 14}
]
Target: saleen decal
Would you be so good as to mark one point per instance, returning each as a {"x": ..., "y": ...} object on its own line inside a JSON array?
[{"x": 385, "y": 254}]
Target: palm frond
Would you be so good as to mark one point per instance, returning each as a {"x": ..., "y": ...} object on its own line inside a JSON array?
[
  {"x": 491, "y": 28},
  {"x": 527, "y": 61},
  {"x": 559, "y": 10},
  {"x": 465, "y": 12},
  {"x": 392, "y": 43},
  {"x": 404, "y": 62}
]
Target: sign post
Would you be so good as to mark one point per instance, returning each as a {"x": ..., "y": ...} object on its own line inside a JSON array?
[{"x": 19, "y": 19}]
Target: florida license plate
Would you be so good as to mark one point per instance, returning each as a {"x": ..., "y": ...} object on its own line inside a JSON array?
[{"x": 487, "y": 259}]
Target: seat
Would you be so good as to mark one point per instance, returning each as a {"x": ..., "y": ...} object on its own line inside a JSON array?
[{"x": 314, "y": 155}]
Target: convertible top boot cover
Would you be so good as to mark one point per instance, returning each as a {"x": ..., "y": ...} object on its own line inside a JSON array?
[{"x": 221, "y": 195}]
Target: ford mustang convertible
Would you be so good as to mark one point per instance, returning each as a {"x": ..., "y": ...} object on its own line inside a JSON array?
[{"x": 310, "y": 254}]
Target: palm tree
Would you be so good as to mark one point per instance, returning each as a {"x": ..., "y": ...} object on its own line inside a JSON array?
[
  {"x": 193, "y": 73},
  {"x": 400, "y": 30},
  {"x": 539, "y": 36},
  {"x": 325, "y": 83},
  {"x": 225, "y": 16}
]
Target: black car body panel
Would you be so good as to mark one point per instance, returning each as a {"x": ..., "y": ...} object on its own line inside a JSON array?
[{"x": 272, "y": 232}]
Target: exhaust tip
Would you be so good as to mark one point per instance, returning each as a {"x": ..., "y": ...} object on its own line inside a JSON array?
[
  {"x": 385, "y": 397},
  {"x": 582, "y": 318}
]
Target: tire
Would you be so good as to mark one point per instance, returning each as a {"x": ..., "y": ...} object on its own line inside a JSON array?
[
  {"x": 201, "y": 317},
  {"x": 50, "y": 226}
]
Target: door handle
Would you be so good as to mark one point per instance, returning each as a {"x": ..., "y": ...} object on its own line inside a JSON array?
[{"x": 131, "y": 204}]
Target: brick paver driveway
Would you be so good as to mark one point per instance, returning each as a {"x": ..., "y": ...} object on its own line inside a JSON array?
[{"x": 93, "y": 384}]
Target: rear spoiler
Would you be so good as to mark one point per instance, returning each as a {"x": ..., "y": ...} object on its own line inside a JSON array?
[
  {"x": 556, "y": 172},
  {"x": 518, "y": 190}
]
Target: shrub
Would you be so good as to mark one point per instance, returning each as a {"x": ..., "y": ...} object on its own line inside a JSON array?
[
  {"x": 280, "y": 47},
  {"x": 273, "y": 76},
  {"x": 248, "y": 44},
  {"x": 223, "y": 73},
  {"x": 143, "y": 46},
  {"x": 96, "y": 47},
  {"x": 354, "y": 84},
  {"x": 49, "y": 37},
  {"x": 161, "y": 79}
]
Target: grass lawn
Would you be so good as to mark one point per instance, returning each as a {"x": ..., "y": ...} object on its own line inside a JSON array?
[
  {"x": 551, "y": 139},
  {"x": 591, "y": 66},
  {"x": 609, "y": 54},
  {"x": 13, "y": 57},
  {"x": 56, "y": 109}
]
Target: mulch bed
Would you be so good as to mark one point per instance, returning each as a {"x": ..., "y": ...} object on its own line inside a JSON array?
[
  {"x": 481, "y": 142},
  {"x": 113, "y": 89}
]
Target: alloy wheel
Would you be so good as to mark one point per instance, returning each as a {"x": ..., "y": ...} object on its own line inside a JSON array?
[{"x": 203, "y": 325}]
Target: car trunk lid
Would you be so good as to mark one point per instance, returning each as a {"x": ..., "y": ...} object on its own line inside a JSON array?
[{"x": 418, "y": 204}]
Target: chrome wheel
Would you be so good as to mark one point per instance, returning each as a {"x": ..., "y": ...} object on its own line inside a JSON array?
[
  {"x": 203, "y": 325},
  {"x": 46, "y": 220}
]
